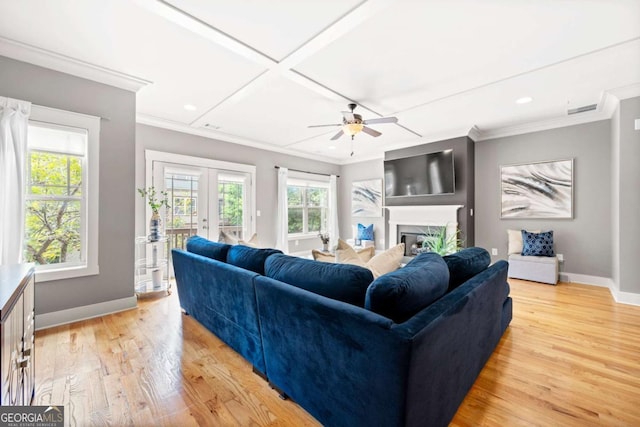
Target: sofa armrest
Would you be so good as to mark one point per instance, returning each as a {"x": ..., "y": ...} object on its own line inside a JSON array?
[{"x": 340, "y": 362}]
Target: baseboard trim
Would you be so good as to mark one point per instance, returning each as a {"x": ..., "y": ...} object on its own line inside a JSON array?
[
  {"x": 605, "y": 282},
  {"x": 585, "y": 279},
  {"x": 63, "y": 317}
]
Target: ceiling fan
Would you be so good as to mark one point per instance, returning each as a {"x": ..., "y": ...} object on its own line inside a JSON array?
[{"x": 352, "y": 124}]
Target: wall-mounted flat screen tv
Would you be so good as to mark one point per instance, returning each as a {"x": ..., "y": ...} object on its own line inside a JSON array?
[{"x": 423, "y": 175}]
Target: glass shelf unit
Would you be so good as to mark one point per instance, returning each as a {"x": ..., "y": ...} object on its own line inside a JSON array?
[{"x": 152, "y": 265}]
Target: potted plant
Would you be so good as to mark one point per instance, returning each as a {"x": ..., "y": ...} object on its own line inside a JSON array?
[
  {"x": 325, "y": 241},
  {"x": 155, "y": 202},
  {"x": 442, "y": 244}
]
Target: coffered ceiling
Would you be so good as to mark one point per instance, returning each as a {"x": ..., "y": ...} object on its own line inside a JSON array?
[{"x": 259, "y": 72}]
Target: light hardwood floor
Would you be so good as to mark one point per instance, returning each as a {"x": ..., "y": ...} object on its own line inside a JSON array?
[{"x": 571, "y": 356}]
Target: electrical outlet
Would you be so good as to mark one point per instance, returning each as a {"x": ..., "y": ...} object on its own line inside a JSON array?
[
  {"x": 258, "y": 212},
  {"x": 560, "y": 257},
  {"x": 297, "y": 242},
  {"x": 494, "y": 251}
]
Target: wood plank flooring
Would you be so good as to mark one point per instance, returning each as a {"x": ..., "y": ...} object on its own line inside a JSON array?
[{"x": 571, "y": 356}]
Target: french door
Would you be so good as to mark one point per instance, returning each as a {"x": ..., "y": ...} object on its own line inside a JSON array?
[{"x": 204, "y": 201}]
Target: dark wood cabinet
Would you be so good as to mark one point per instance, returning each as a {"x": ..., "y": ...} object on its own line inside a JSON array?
[{"x": 17, "y": 334}]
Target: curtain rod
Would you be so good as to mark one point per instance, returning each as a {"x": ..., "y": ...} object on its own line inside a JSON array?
[{"x": 312, "y": 173}]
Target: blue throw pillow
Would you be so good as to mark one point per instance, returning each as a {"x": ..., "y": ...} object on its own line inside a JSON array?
[
  {"x": 402, "y": 293},
  {"x": 465, "y": 264},
  {"x": 537, "y": 244},
  {"x": 249, "y": 258},
  {"x": 365, "y": 232},
  {"x": 214, "y": 250},
  {"x": 342, "y": 282}
]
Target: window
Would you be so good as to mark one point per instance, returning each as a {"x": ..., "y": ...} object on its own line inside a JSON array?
[
  {"x": 60, "y": 205},
  {"x": 307, "y": 207}
]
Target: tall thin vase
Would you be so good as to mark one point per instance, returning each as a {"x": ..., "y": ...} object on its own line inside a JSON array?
[{"x": 155, "y": 227}]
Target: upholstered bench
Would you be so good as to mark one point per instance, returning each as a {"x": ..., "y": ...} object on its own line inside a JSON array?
[{"x": 535, "y": 268}]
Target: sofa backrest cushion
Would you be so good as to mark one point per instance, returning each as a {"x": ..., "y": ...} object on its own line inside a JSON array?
[
  {"x": 214, "y": 250},
  {"x": 249, "y": 258},
  {"x": 465, "y": 264},
  {"x": 402, "y": 293},
  {"x": 342, "y": 282}
]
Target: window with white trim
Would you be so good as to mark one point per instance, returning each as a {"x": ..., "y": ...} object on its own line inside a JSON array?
[
  {"x": 60, "y": 234},
  {"x": 307, "y": 203}
]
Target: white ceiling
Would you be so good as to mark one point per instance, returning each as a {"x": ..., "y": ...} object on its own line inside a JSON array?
[{"x": 259, "y": 72}]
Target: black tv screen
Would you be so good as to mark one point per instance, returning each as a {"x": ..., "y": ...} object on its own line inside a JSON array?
[{"x": 423, "y": 175}]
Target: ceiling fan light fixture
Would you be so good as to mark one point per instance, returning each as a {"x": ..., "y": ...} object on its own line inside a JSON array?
[{"x": 352, "y": 128}]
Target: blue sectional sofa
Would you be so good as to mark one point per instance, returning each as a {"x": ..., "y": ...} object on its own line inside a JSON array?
[{"x": 401, "y": 350}]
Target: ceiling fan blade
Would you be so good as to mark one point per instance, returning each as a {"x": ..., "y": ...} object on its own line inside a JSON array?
[
  {"x": 337, "y": 135},
  {"x": 381, "y": 120},
  {"x": 348, "y": 116},
  {"x": 322, "y": 126},
  {"x": 371, "y": 131}
]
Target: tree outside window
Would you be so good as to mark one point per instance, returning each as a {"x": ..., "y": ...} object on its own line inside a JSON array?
[{"x": 307, "y": 209}]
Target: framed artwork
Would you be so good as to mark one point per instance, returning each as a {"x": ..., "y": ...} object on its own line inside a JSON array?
[
  {"x": 366, "y": 198},
  {"x": 537, "y": 190}
]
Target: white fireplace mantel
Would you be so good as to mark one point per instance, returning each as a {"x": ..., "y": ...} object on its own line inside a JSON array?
[{"x": 438, "y": 215}]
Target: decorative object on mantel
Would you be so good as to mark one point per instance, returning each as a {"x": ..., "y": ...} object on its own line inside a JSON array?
[
  {"x": 366, "y": 198},
  {"x": 537, "y": 190},
  {"x": 155, "y": 203},
  {"x": 325, "y": 241}
]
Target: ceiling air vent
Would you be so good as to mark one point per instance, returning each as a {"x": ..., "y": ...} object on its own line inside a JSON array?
[{"x": 583, "y": 109}]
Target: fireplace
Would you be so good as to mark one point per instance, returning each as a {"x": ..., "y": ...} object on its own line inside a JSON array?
[{"x": 411, "y": 224}]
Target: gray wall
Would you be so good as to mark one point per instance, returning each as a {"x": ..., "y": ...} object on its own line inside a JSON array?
[
  {"x": 358, "y": 172},
  {"x": 53, "y": 89},
  {"x": 463, "y": 151},
  {"x": 153, "y": 138},
  {"x": 585, "y": 241},
  {"x": 629, "y": 199}
]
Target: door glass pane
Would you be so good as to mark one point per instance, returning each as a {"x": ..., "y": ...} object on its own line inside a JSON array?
[
  {"x": 182, "y": 220},
  {"x": 231, "y": 205}
]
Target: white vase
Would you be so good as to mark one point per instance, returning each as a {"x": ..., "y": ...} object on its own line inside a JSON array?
[{"x": 155, "y": 224}]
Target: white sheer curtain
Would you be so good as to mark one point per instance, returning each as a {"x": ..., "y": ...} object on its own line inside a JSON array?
[
  {"x": 282, "y": 241},
  {"x": 14, "y": 122},
  {"x": 332, "y": 223}
]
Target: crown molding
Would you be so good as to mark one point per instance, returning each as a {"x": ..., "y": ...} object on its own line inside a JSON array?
[
  {"x": 625, "y": 92},
  {"x": 66, "y": 64},
  {"x": 149, "y": 120},
  {"x": 559, "y": 122}
]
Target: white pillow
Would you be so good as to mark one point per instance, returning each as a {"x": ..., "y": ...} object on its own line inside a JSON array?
[
  {"x": 253, "y": 241},
  {"x": 515, "y": 241}
]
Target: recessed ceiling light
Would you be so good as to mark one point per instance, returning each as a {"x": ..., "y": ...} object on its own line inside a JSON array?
[
  {"x": 332, "y": 147},
  {"x": 190, "y": 107},
  {"x": 524, "y": 100}
]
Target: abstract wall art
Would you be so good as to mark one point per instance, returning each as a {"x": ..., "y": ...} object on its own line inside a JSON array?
[
  {"x": 537, "y": 190},
  {"x": 366, "y": 198}
]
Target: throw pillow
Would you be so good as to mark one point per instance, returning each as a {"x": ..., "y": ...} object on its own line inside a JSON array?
[
  {"x": 386, "y": 261},
  {"x": 402, "y": 293},
  {"x": 537, "y": 244},
  {"x": 348, "y": 255},
  {"x": 227, "y": 238},
  {"x": 515, "y": 241},
  {"x": 365, "y": 232},
  {"x": 253, "y": 241},
  {"x": 322, "y": 256}
]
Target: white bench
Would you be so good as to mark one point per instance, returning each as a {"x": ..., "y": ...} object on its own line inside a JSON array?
[{"x": 535, "y": 268}]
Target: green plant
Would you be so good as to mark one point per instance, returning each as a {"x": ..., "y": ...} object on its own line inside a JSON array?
[
  {"x": 440, "y": 243},
  {"x": 155, "y": 203}
]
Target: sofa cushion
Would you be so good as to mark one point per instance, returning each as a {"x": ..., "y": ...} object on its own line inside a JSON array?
[
  {"x": 465, "y": 264},
  {"x": 214, "y": 250},
  {"x": 537, "y": 244},
  {"x": 249, "y": 258},
  {"x": 402, "y": 293},
  {"x": 342, "y": 282}
]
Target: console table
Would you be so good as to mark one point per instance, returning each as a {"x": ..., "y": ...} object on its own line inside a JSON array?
[{"x": 17, "y": 334}]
